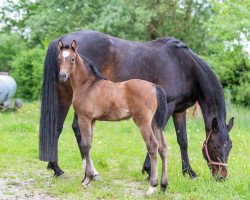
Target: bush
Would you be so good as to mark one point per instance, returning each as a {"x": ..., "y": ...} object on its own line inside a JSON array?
[
  {"x": 27, "y": 71},
  {"x": 10, "y": 45}
]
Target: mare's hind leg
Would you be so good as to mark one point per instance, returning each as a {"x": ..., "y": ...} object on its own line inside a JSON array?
[
  {"x": 86, "y": 133},
  {"x": 180, "y": 128},
  {"x": 163, "y": 154},
  {"x": 77, "y": 132},
  {"x": 62, "y": 113}
]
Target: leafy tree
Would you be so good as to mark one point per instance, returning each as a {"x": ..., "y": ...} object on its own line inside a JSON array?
[
  {"x": 229, "y": 30},
  {"x": 10, "y": 45}
]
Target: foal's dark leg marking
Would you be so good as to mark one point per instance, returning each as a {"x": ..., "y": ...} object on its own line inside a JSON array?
[
  {"x": 180, "y": 127},
  {"x": 147, "y": 166},
  {"x": 62, "y": 113},
  {"x": 77, "y": 132}
]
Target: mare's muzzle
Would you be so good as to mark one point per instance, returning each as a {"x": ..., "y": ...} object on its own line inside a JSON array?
[{"x": 63, "y": 76}]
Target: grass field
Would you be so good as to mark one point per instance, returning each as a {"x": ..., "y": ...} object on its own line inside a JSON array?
[{"x": 118, "y": 153}]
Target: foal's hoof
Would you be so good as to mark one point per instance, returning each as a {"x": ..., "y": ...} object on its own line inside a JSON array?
[
  {"x": 164, "y": 187},
  {"x": 150, "y": 191},
  {"x": 97, "y": 177},
  {"x": 86, "y": 182}
]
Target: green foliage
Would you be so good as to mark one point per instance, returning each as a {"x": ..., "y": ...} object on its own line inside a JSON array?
[
  {"x": 27, "y": 71},
  {"x": 10, "y": 45},
  {"x": 225, "y": 47}
]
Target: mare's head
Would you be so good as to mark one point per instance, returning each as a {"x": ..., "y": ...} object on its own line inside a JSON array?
[
  {"x": 217, "y": 147},
  {"x": 66, "y": 59}
]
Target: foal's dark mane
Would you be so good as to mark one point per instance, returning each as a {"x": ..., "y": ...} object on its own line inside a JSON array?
[{"x": 93, "y": 69}]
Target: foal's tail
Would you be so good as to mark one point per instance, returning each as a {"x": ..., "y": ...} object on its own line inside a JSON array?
[
  {"x": 161, "y": 115},
  {"x": 49, "y": 107}
]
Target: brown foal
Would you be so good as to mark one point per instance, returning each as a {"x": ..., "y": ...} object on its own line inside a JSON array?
[{"x": 95, "y": 98}]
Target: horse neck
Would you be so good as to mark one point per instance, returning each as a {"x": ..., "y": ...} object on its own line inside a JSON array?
[
  {"x": 80, "y": 75},
  {"x": 212, "y": 101}
]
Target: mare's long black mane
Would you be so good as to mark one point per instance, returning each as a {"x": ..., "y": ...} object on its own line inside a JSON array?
[
  {"x": 209, "y": 81},
  {"x": 171, "y": 40}
]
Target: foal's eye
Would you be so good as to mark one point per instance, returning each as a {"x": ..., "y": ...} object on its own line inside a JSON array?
[
  {"x": 72, "y": 60},
  {"x": 59, "y": 61}
]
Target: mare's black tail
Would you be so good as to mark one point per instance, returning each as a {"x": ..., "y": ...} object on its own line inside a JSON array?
[
  {"x": 161, "y": 115},
  {"x": 48, "y": 137}
]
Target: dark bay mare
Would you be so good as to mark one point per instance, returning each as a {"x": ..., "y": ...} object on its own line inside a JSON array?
[
  {"x": 97, "y": 99},
  {"x": 184, "y": 76}
]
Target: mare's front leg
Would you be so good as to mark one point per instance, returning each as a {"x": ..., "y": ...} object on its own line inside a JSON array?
[
  {"x": 63, "y": 109},
  {"x": 87, "y": 135},
  {"x": 77, "y": 132},
  {"x": 180, "y": 128}
]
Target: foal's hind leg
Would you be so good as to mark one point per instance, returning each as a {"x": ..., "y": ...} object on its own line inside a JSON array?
[
  {"x": 163, "y": 154},
  {"x": 152, "y": 147}
]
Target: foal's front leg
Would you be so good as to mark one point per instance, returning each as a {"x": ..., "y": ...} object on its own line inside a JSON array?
[
  {"x": 87, "y": 134},
  {"x": 76, "y": 129}
]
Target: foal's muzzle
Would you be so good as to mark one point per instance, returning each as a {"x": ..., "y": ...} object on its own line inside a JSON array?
[{"x": 63, "y": 76}]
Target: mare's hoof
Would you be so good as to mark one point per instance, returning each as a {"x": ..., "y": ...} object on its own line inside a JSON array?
[
  {"x": 62, "y": 176},
  {"x": 97, "y": 177},
  {"x": 59, "y": 175},
  {"x": 151, "y": 190},
  {"x": 148, "y": 178},
  {"x": 190, "y": 172}
]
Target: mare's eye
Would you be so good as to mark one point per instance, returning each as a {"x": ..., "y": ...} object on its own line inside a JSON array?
[{"x": 72, "y": 60}]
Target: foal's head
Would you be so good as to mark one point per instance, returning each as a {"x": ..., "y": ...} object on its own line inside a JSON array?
[
  {"x": 66, "y": 59},
  {"x": 217, "y": 147}
]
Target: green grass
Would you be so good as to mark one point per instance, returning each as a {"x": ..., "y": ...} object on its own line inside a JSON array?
[{"x": 118, "y": 153}]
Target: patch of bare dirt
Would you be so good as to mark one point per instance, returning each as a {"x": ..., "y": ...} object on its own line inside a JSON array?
[
  {"x": 131, "y": 188},
  {"x": 14, "y": 188}
]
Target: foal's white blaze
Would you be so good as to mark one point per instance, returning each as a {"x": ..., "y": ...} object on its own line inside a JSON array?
[{"x": 65, "y": 54}]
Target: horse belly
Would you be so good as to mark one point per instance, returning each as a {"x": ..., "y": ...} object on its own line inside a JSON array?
[{"x": 114, "y": 115}]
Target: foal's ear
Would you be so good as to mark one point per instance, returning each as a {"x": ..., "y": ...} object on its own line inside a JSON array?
[
  {"x": 60, "y": 45},
  {"x": 230, "y": 124},
  {"x": 215, "y": 125},
  {"x": 74, "y": 45}
]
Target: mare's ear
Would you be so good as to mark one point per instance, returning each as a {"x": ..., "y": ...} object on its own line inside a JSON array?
[
  {"x": 215, "y": 125},
  {"x": 230, "y": 124},
  {"x": 74, "y": 45},
  {"x": 60, "y": 45}
]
